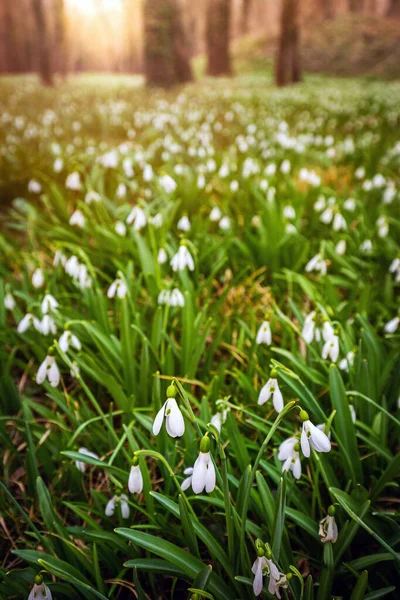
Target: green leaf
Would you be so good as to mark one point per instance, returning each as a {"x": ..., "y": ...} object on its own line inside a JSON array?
[{"x": 361, "y": 585}]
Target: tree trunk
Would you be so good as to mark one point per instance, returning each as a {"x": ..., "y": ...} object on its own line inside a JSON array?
[
  {"x": 393, "y": 8},
  {"x": 217, "y": 37},
  {"x": 11, "y": 62},
  {"x": 43, "y": 44},
  {"x": 166, "y": 59},
  {"x": 61, "y": 38},
  {"x": 245, "y": 16},
  {"x": 287, "y": 69},
  {"x": 327, "y": 9},
  {"x": 356, "y": 5}
]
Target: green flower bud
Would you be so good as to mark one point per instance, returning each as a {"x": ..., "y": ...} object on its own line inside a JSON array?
[
  {"x": 205, "y": 444},
  {"x": 135, "y": 460},
  {"x": 171, "y": 391},
  {"x": 331, "y": 510},
  {"x": 268, "y": 551},
  {"x": 38, "y": 579},
  {"x": 304, "y": 415},
  {"x": 274, "y": 373},
  {"x": 51, "y": 351}
]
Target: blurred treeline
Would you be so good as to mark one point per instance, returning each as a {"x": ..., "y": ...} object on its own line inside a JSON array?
[{"x": 159, "y": 37}]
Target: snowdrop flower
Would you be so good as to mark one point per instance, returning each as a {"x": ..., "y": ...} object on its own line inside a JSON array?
[
  {"x": 327, "y": 216},
  {"x": 117, "y": 287},
  {"x": 59, "y": 259},
  {"x": 310, "y": 329},
  {"x": 360, "y": 173},
  {"x": 38, "y": 278},
  {"x": 320, "y": 204},
  {"x": 264, "y": 566},
  {"x": 312, "y": 436},
  {"x": 184, "y": 223},
  {"x": 347, "y": 362},
  {"x": 47, "y": 325},
  {"x": 118, "y": 500},
  {"x": 81, "y": 465},
  {"x": 271, "y": 388},
  {"x": 395, "y": 268},
  {"x": 331, "y": 349},
  {"x": 201, "y": 181},
  {"x": 162, "y": 256},
  {"x": 234, "y": 186},
  {"x": 259, "y": 568},
  {"x": 164, "y": 297},
  {"x": 203, "y": 475},
  {"x": 48, "y": 369},
  {"x": 317, "y": 263},
  {"x": 137, "y": 218},
  {"x": 383, "y": 226},
  {"x": 49, "y": 304},
  {"x": 167, "y": 183},
  {"x": 341, "y": 247},
  {"x": 289, "y": 453},
  {"x": 182, "y": 259},
  {"x": 27, "y": 321},
  {"x": 215, "y": 214},
  {"x": 157, "y": 220},
  {"x": 77, "y": 218},
  {"x": 264, "y": 335},
  {"x": 92, "y": 196},
  {"x": 9, "y": 302},
  {"x": 256, "y": 221},
  {"x": 339, "y": 222},
  {"x": 225, "y": 223},
  {"x": 289, "y": 212},
  {"x": 73, "y": 181},
  {"x": 120, "y": 228},
  {"x": 34, "y": 187},
  {"x": 40, "y": 591},
  {"x": 148, "y": 173},
  {"x": 366, "y": 247},
  {"x": 135, "y": 481},
  {"x": 392, "y": 325},
  {"x": 176, "y": 298},
  {"x": 174, "y": 423},
  {"x": 58, "y": 165},
  {"x": 186, "y": 483},
  {"x": 327, "y": 527},
  {"x": 68, "y": 339},
  {"x": 121, "y": 190},
  {"x": 350, "y": 204},
  {"x": 285, "y": 167}
]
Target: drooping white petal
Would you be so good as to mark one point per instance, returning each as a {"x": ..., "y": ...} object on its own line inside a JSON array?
[
  {"x": 42, "y": 371},
  {"x": 135, "y": 482},
  {"x": 158, "y": 421},
  {"x": 210, "y": 477},
  {"x": 200, "y": 473},
  {"x": 304, "y": 443}
]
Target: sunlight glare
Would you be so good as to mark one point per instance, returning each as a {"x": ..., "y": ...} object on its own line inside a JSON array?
[{"x": 91, "y": 7}]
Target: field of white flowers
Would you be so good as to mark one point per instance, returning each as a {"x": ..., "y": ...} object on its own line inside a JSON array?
[{"x": 199, "y": 327}]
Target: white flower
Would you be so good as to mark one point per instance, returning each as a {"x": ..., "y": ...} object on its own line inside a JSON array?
[
  {"x": 27, "y": 321},
  {"x": 353, "y": 413},
  {"x": 72, "y": 266},
  {"x": 49, "y": 304},
  {"x": 48, "y": 369},
  {"x": 157, "y": 220},
  {"x": 360, "y": 173},
  {"x": 148, "y": 173},
  {"x": 203, "y": 474},
  {"x": 34, "y": 187},
  {"x": 201, "y": 181},
  {"x": 68, "y": 339},
  {"x": 285, "y": 167},
  {"x": 219, "y": 418},
  {"x": 167, "y": 183},
  {"x": 215, "y": 214},
  {"x": 174, "y": 423},
  {"x": 80, "y": 464},
  {"x": 312, "y": 435},
  {"x": 116, "y": 500},
  {"x": 47, "y": 325},
  {"x": 234, "y": 186},
  {"x": 182, "y": 259},
  {"x": 383, "y": 227},
  {"x": 74, "y": 370},
  {"x": 162, "y": 256},
  {"x": 73, "y": 181},
  {"x": 317, "y": 263},
  {"x": 59, "y": 259},
  {"x": 225, "y": 223},
  {"x": 264, "y": 566},
  {"x": 271, "y": 388},
  {"x": 137, "y": 217},
  {"x": 290, "y": 456},
  {"x": 310, "y": 330},
  {"x": 176, "y": 298},
  {"x": 40, "y": 591},
  {"x": 328, "y": 529},
  {"x": 92, "y": 196},
  {"x": 392, "y": 325},
  {"x": 264, "y": 335},
  {"x": 188, "y": 481},
  {"x": 289, "y": 212},
  {"x": 350, "y": 204},
  {"x": 121, "y": 190},
  {"x": 184, "y": 223},
  {"x": 341, "y": 247},
  {"x": 77, "y": 218},
  {"x": 339, "y": 222},
  {"x": 135, "y": 481},
  {"x": 259, "y": 566},
  {"x": 366, "y": 247},
  {"x": 331, "y": 349},
  {"x": 9, "y": 301},
  {"x": 38, "y": 278},
  {"x": 320, "y": 204},
  {"x": 120, "y": 228},
  {"x": 58, "y": 165},
  {"x": 347, "y": 362},
  {"x": 118, "y": 287},
  {"x": 327, "y": 216}
]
